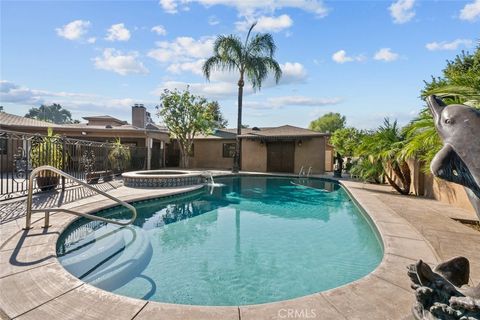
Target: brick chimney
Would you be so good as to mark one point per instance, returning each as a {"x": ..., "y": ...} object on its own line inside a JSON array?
[{"x": 139, "y": 116}]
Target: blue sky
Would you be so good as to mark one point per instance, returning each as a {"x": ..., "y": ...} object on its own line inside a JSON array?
[{"x": 364, "y": 59}]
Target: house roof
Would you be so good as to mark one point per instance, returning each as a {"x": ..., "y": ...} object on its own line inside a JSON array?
[
  {"x": 265, "y": 133},
  {"x": 14, "y": 120},
  {"x": 10, "y": 121},
  {"x": 105, "y": 118}
]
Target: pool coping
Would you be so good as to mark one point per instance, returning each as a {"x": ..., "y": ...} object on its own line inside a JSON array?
[{"x": 47, "y": 289}]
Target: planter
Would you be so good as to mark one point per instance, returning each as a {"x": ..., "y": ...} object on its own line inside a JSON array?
[{"x": 47, "y": 183}]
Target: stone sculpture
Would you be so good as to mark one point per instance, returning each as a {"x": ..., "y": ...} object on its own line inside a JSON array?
[{"x": 443, "y": 293}]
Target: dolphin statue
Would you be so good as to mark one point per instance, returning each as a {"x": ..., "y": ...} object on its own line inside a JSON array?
[{"x": 459, "y": 159}]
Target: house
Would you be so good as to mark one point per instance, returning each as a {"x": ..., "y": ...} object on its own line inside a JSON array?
[
  {"x": 142, "y": 133},
  {"x": 267, "y": 149}
]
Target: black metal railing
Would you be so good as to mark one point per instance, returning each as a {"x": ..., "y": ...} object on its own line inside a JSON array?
[{"x": 91, "y": 161}]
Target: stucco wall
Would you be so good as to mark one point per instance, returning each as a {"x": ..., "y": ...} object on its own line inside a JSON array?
[
  {"x": 254, "y": 156},
  {"x": 311, "y": 153},
  {"x": 208, "y": 154},
  {"x": 425, "y": 184}
]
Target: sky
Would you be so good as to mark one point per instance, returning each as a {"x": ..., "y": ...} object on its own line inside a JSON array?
[{"x": 364, "y": 59}]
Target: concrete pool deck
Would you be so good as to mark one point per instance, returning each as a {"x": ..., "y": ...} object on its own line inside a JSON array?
[{"x": 33, "y": 285}]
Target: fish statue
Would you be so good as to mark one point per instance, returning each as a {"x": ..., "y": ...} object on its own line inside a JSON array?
[{"x": 459, "y": 159}]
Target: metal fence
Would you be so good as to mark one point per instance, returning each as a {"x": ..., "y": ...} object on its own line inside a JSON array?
[{"x": 91, "y": 161}]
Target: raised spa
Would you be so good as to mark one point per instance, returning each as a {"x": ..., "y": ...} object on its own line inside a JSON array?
[
  {"x": 162, "y": 178},
  {"x": 254, "y": 240}
]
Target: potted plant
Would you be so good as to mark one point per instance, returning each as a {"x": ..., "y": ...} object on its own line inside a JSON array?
[
  {"x": 47, "y": 151},
  {"x": 119, "y": 156}
]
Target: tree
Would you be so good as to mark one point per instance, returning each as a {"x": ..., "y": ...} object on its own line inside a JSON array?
[
  {"x": 220, "y": 121},
  {"x": 346, "y": 140},
  {"x": 329, "y": 122},
  {"x": 253, "y": 59},
  {"x": 385, "y": 146},
  {"x": 52, "y": 113},
  {"x": 186, "y": 115},
  {"x": 460, "y": 83}
]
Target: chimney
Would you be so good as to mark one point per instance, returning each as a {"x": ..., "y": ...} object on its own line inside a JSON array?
[{"x": 139, "y": 116}]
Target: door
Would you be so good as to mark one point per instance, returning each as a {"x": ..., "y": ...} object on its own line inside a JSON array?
[{"x": 280, "y": 156}]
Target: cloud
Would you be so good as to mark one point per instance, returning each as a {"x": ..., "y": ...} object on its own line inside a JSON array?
[
  {"x": 266, "y": 24},
  {"x": 74, "y": 30},
  {"x": 285, "y": 101},
  {"x": 182, "y": 49},
  {"x": 213, "y": 20},
  {"x": 212, "y": 90},
  {"x": 118, "y": 32},
  {"x": 170, "y": 6},
  {"x": 160, "y": 30},
  {"x": 402, "y": 11},
  {"x": 452, "y": 45},
  {"x": 83, "y": 102},
  {"x": 250, "y": 8},
  {"x": 194, "y": 67},
  {"x": 341, "y": 57},
  {"x": 116, "y": 61},
  {"x": 386, "y": 54},
  {"x": 91, "y": 40},
  {"x": 471, "y": 11}
]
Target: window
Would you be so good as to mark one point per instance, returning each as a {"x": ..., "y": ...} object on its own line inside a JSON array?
[{"x": 228, "y": 150}]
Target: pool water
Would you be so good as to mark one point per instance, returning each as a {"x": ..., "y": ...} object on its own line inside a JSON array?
[{"x": 253, "y": 240}]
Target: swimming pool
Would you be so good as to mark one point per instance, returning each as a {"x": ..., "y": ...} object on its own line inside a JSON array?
[{"x": 257, "y": 239}]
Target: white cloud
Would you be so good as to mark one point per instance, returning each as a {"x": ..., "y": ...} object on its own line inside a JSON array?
[
  {"x": 160, "y": 30},
  {"x": 452, "y": 45},
  {"x": 118, "y": 32},
  {"x": 194, "y": 67},
  {"x": 116, "y": 61},
  {"x": 213, "y": 20},
  {"x": 182, "y": 49},
  {"x": 266, "y": 24},
  {"x": 23, "y": 97},
  {"x": 386, "y": 54},
  {"x": 341, "y": 57},
  {"x": 402, "y": 11},
  {"x": 292, "y": 72},
  {"x": 471, "y": 11},
  {"x": 74, "y": 30},
  {"x": 250, "y": 8},
  {"x": 285, "y": 101},
  {"x": 213, "y": 90},
  {"x": 91, "y": 40},
  {"x": 170, "y": 6}
]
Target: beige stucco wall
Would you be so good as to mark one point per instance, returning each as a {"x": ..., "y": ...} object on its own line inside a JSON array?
[
  {"x": 254, "y": 156},
  {"x": 311, "y": 153},
  {"x": 426, "y": 185},
  {"x": 208, "y": 154}
]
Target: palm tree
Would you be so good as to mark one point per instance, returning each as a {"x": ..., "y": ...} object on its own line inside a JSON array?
[
  {"x": 385, "y": 146},
  {"x": 253, "y": 59}
]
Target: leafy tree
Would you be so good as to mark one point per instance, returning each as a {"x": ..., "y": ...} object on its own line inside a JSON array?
[
  {"x": 385, "y": 146},
  {"x": 346, "y": 140},
  {"x": 460, "y": 83},
  {"x": 186, "y": 115},
  {"x": 329, "y": 122},
  {"x": 53, "y": 113},
  {"x": 253, "y": 59},
  {"x": 220, "y": 121}
]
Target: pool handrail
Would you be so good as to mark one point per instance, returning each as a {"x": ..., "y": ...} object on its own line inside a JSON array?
[{"x": 34, "y": 173}]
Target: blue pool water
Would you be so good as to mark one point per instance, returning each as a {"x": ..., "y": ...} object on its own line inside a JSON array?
[{"x": 254, "y": 240}]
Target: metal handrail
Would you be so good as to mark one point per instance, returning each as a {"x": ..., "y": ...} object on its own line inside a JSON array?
[{"x": 47, "y": 211}]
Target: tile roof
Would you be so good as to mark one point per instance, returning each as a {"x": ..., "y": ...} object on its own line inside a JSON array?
[
  {"x": 285, "y": 131},
  {"x": 14, "y": 120}
]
